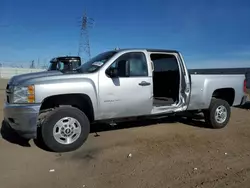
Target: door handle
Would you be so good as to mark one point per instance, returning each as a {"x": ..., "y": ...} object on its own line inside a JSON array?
[{"x": 143, "y": 83}]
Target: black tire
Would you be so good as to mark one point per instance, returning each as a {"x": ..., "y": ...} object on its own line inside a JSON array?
[
  {"x": 53, "y": 117},
  {"x": 210, "y": 114}
]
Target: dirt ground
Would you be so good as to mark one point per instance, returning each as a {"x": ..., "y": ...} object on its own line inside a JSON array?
[{"x": 157, "y": 153}]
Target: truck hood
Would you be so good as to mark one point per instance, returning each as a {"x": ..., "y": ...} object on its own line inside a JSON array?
[{"x": 16, "y": 80}]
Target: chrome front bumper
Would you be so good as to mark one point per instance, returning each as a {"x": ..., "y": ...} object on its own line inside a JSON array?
[{"x": 22, "y": 118}]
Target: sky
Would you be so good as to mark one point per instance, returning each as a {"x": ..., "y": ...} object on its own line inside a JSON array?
[{"x": 209, "y": 34}]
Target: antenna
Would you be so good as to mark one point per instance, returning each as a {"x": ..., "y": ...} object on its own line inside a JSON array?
[{"x": 84, "y": 44}]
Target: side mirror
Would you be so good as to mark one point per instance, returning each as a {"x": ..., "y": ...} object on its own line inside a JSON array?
[{"x": 112, "y": 72}]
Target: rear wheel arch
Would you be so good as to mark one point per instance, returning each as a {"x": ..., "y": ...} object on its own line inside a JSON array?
[{"x": 226, "y": 94}]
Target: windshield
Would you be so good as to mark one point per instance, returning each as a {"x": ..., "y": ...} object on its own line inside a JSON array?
[{"x": 96, "y": 62}]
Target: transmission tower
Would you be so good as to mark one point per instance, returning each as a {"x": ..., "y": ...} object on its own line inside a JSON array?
[{"x": 84, "y": 44}]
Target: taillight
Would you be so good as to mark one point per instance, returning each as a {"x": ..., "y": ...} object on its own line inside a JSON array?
[{"x": 245, "y": 86}]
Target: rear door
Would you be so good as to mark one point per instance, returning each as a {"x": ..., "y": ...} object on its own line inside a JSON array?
[
  {"x": 185, "y": 90},
  {"x": 130, "y": 94}
]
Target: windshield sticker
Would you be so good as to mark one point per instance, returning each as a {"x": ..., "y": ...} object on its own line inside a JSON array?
[{"x": 98, "y": 63}]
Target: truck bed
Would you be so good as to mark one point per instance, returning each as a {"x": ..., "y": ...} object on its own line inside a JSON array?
[
  {"x": 220, "y": 71},
  {"x": 245, "y": 71},
  {"x": 203, "y": 86}
]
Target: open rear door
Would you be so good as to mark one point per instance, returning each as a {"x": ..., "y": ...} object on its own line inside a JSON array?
[{"x": 185, "y": 90}]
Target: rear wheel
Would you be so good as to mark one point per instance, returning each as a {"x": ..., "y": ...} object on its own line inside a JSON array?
[
  {"x": 65, "y": 129},
  {"x": 218, "y": 114}
]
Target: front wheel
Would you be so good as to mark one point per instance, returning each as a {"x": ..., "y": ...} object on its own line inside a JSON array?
[
  {"x": 218, "y": 114},
  {"x": 65, "y": 129}
]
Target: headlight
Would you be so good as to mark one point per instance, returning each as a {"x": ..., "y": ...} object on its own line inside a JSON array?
[{"x": 24, "y": 94}]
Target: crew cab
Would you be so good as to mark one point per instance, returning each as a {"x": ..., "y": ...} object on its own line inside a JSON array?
[{"x": 114, "y": 86}]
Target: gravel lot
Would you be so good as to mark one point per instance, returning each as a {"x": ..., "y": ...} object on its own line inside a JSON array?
[{"x": 157, "y": 153}]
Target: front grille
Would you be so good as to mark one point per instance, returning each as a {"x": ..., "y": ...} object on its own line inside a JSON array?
[
  {"x": 8, "y": 93},
  {"x": 9, "y": 88}
]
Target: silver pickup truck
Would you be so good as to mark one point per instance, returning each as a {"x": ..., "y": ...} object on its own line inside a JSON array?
[{"x": 111, "y": 87}]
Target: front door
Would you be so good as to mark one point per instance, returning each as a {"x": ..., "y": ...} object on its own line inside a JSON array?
[{"x": 130, "y": 94}]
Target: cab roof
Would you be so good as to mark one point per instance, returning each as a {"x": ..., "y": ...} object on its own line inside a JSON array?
[
  {"x": 65, "y": 58},
  {"x": 149, "y": 50}
]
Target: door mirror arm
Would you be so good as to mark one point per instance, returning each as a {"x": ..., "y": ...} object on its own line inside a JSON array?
[{"x": 112, "y": 72}]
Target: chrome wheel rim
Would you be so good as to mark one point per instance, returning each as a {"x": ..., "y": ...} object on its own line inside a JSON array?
[
  {"x": 67, "y": 130},
  {"x": 221, "y": 114}
]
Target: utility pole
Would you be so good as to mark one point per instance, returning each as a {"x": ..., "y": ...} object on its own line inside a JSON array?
[
  {"x": 32, "y": 65},
  {"x": 84, "y": 44}
]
